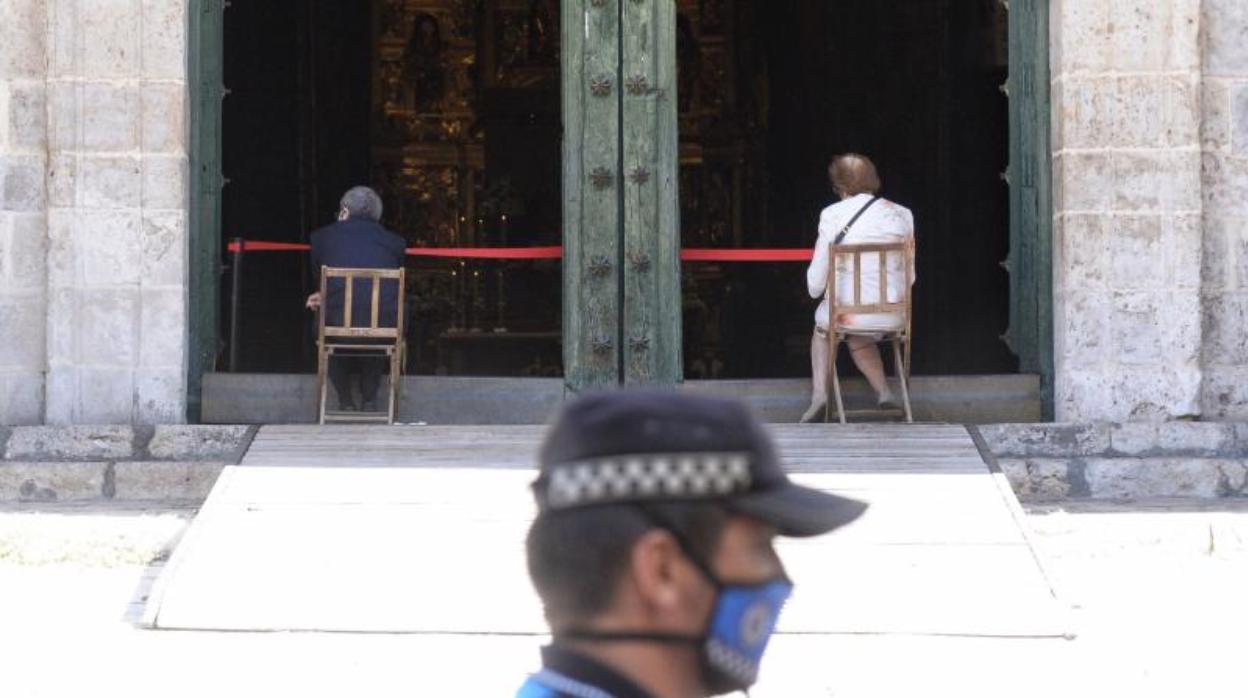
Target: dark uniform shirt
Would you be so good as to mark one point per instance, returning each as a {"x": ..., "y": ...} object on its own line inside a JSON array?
[
  {"x": 567, "y": 674},
  {"x": 357, "y": 243}
]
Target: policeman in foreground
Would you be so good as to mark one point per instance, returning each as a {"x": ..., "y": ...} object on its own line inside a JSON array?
[{"x": 653, "y": 550}]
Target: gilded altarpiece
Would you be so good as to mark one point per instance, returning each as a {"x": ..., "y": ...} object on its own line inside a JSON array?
[{"x": 465, "y": 115}]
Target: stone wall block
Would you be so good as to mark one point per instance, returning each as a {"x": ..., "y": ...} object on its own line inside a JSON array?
[
  {"x": 1215, "y": 123},
  {"x": 1226, "y": 328},
  {"x": 62, "y": 325},
  {"x": 198, "y": 442},
  {"x": 1161, "y": 180},
  {"x": 164, "y": 118},
  {"x": 51, "y": 482},
  {"x": 62, "y": 260},
  {"x": 23, "y": 252},
  {"x": 1181, "y": 249},
  {"x": 1045, "y": 440},
  {"x": 64, "y": 115},
  {"x": 1140, "y": 104},
  {"x": 110, "y": 328},
  {"x": 160, "y": 396},
  {"x": 27, "y": 122},
  {"x": 105, "y": 396},
  {"x": 164, "y": 39},
  {"x": 163, "y": 328},
  {"x": 1238, "y": 125},
  {"x": 1038, "y": 479},
  {"x": 1088, "y": 110},
  {"x": 1224, "y": 393},
  {"x": 1086, "y": 251},
  {"x": 1135, "y": 252},
  {"x": 1140, "y": 36},
  {"x": 62, "y": 180},
  {"x": 21, "y": 183},
  {"x": 110, "y": 243},
  {"x": 1211, "y": 439},
  {"x": 1225, "y": 257},
  {"x": 110, "y": 38},
  {"x": 1084, "y": 394},
  {"x": 1081, "y": 31},
  {"x": 110, "y": 182},
  {"x": 164, "y": 248},
  {"x": 22, "y": 318},
  {"x": 22, "y": 52},
  {"x": 21, "y": 397},
  {"x": 1134, "y": 438},
  {"x": 61, "y": 391},
  {"x": 64, "y": 50},
  {"x": 1226, "y": 37},
  {"x": 165, "y": 481},
  {"x": 110, "y": 116},
  {"x": 1085, "y": 327},
  {"x": 1087, "y": 181},
  {"x": 1138, "y": 478},
  {"x": 165, "y": 182},
  {"x": 1226, "y": 184},
  {"x": 1155, "y": 393},
  {"x": 79, "y": 442}
]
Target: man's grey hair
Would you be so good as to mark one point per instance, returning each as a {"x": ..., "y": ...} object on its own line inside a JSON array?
[{"x": 362, "y": 202}]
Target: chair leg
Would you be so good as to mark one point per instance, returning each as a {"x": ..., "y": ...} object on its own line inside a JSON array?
[
  {"x": 322, "y": 367},
  {"x": 394, "y": 385},
  {"x": 835, "y": 377},
  {"x": 901, "y": 378}
]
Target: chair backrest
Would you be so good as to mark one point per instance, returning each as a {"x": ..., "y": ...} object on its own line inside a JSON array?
[
  {"x": 882, "y": 252},
  {"x": 352, "y": 327}
]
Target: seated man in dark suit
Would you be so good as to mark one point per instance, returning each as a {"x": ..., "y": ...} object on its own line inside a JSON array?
[{"x": 357, "y": 241}]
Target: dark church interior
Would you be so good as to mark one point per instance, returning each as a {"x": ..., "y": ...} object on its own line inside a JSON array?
[{"x": 450, "y": 109}]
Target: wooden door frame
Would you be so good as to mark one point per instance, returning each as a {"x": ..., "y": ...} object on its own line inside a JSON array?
[{"x": 1030, "y": 261}]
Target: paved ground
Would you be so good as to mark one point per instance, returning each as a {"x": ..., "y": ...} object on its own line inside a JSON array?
[{"x": 1158, "y": 591}]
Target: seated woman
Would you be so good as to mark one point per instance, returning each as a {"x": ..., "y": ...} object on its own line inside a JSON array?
[{"x": 864, "y": 218}]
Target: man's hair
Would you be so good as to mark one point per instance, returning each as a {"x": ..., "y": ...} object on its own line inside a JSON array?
[
  {"x": 362, "y": 202},
  {"x": 577, "y": 557},
  {"x": 853, "y": 174}
]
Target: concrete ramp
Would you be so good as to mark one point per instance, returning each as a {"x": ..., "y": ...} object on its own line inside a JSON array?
[{"x": 420, "y": 530}]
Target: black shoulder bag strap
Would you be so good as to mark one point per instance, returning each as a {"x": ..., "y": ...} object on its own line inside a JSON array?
[{"x": 845, "y": 231}]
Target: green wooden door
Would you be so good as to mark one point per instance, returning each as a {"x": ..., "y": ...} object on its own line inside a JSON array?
[
  {"x": 206, "y": 88},
  {"x": 1030, "y": 262},
  {"x": 621, "y": 304}
]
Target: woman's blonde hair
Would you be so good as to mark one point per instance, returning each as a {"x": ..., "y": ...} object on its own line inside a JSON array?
[{"x": 853, "y": 174}]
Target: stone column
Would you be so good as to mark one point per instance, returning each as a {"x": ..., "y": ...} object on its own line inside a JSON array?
[
  {"x": 1224, "y": 137},
  {"x": 23, "y": 218},
  {"x": 117, "y": 181},
  {"x": 1127, "y": 209}
]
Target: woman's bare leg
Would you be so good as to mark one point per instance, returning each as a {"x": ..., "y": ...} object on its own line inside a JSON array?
[
  {"x": 866, "y": 353},
  {"x": 818, "y": 375}
]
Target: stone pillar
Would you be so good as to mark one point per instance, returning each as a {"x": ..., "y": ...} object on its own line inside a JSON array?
[
  {"x": 1127, "y": 209},
  {"x": 1224, "y": 138},
  {"x": 117, "y": 185},
  {"x": 23, "y": 216}
]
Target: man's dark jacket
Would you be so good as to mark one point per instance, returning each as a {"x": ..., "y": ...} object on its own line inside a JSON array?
[{"x": 357, "y": 243}]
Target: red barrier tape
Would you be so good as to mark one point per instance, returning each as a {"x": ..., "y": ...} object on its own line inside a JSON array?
[{"x": 686, "y": 255}]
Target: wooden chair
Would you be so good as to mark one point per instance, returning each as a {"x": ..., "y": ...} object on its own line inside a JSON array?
[
  {"x": 336, "y": 339},
  {"x": 900, "y": 337}
]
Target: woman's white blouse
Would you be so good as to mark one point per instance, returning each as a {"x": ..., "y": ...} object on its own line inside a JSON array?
[{"x": 884, "y": 223}]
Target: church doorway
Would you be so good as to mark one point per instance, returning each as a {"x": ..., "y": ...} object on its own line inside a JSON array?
[
  {"x": 769, "y": 92},
  {"x": 451, "y": 111}
]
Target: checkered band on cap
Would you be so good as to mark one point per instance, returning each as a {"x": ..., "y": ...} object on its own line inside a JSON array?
[{"x": 650, "y": 476}]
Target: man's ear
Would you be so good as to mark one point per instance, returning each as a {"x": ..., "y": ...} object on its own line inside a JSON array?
[
  {"x": 343, "y": 214},
  {"x": 658, "y": 570}
]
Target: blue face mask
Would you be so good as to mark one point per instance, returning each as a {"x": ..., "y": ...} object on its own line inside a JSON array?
[{"x": 740, "y": 626}]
